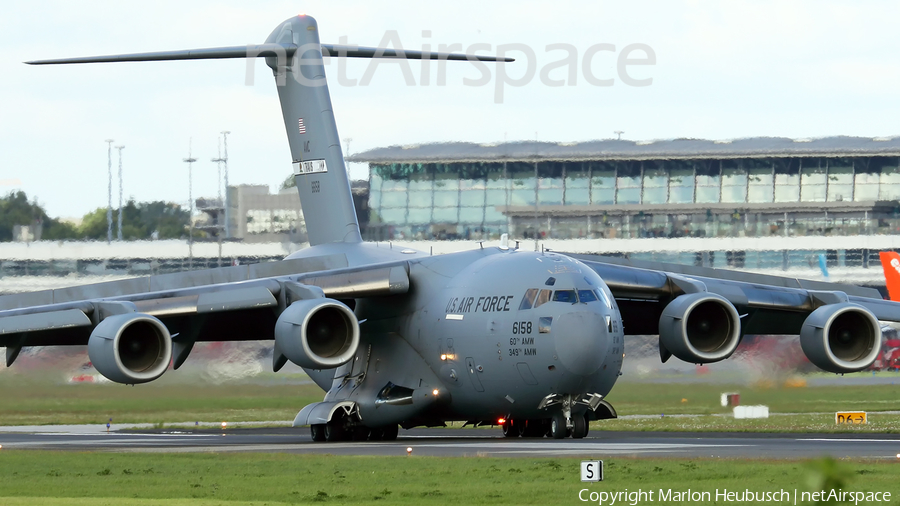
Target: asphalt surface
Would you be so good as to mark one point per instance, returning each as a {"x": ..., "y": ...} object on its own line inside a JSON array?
[{"x": 467, "y": 442}]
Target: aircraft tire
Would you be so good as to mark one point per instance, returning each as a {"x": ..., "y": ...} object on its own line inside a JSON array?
[
  {"x": 317, "y": 431},
  {"x": 334, "y": 432},
  {"x": 390, "y": 432},
  {"x": 512, "y": 428},
  {"x": 558, "y": 426},
  {"x": 376, "y": 434},
  {"x": 580, "y": 428}
]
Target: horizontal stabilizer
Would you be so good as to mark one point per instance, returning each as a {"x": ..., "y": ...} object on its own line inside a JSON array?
[
  {"x": 265, "y": 50},
  {"x": 379, "y": 52}
]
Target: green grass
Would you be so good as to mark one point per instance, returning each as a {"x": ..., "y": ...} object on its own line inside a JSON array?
[
  {"x": 175, "y": 399},
  {"x": 27, "y": 401},
  {"x": 178, "y": 398},
  {"x": 654, "y": 398},
  {"x": 878, "y": 423},
  {"x": 69, "y": 478}
]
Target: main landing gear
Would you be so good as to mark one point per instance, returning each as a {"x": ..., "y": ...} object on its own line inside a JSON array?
[
  {"x": 337, "y": 431},
  {"x": 556, "y": 427}
]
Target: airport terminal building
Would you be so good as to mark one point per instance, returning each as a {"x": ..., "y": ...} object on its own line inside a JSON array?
[{"x": 618, "y": 189}]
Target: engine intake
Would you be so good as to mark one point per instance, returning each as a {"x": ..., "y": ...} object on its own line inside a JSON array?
[
  {"x": 700, "y": 328},
  {"x": 841, "y": 338},
  {"x": 130, "y": 348},
  {"x": 317, "y": 333}
]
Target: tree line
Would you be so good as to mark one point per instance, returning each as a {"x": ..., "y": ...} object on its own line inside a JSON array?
[{"x": 140, "y": 220}]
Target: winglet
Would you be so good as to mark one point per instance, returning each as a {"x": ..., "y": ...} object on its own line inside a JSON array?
[{"x": 890, "y": 262}]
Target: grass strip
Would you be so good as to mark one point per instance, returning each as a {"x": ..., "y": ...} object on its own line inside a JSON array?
[{"x": 70, "y": 478}]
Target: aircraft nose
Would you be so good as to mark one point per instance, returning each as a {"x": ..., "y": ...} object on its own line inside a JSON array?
[{"x": 581, "y": 341}]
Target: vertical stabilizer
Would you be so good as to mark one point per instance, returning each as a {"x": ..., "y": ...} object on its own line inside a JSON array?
[{"x": 318, "y": 163}]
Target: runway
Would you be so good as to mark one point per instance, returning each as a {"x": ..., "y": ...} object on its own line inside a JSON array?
[{"x": 471, "y": 442}]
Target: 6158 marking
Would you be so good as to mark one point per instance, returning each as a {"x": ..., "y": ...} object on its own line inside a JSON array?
[{"x": 521, "y": 327}]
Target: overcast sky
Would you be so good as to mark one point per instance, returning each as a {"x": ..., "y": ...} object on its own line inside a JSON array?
[{"x": 722, "y": 70}]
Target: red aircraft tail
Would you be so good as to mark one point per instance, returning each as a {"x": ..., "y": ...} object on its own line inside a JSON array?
[{"x": 890, "y": 262}]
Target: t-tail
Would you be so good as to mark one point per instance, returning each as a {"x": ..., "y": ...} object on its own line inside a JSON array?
[
  {"x": 890, "y": 262},
  {"x": 294, "y": 53}
]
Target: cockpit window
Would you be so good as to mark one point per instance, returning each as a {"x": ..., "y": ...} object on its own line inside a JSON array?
[
  {"x": 528, "y": 299},
  {"x": 565, "y": 296},
  {"x": 542, "y": 298},
  {"x": 604, "y": 297},
  {"x": 586, "y": 296}
]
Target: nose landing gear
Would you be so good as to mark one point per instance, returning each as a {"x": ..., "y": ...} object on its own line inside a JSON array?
[
  {"x": 564, "y": 422},
  {"x": 574, "y": 425}
]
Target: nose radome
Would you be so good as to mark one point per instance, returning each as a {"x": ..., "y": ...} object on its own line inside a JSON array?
[{"x": 581, "y": 341}]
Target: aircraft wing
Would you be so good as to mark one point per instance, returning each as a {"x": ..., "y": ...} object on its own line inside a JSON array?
[
  {"x": 223, "y": 304},
  {"x": 767, "y": 304}
]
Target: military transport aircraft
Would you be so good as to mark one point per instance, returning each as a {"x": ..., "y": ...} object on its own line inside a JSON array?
[{"x": 400, "y": 337}]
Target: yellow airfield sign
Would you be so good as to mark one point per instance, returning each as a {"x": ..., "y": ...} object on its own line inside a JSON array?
[{"x": 850, "y": 417}]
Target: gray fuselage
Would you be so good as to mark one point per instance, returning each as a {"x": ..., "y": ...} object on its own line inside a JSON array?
[{"x": 470, "y": 336}]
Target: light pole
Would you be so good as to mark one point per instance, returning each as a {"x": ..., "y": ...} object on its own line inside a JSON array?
[
  {"x": 347, "y": 155},
  {"x": 227, "y": 210},
  {"x": 109, "y": 188},
  {"x": 120, "y": 148},
  {"x": 220, "y": 227},
  {"x": 190, "y": 161}
]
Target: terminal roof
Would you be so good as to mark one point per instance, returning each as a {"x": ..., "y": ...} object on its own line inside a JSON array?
[{"x": 753, "y": 147}]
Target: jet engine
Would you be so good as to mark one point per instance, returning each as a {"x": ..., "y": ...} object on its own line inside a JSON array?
[
  {"x": 700, "y": 328},
  {"x": 841, "y": 338},
  {"x": 317, "y": 333},
  {"x": 130, "y": 348}
]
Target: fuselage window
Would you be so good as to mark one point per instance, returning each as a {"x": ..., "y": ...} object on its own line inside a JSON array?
[
  {"x": 528, "y": 299},
  {"x": 586, "y": 296},
  {"x": 543, "y": 298},
  {"x": 565, "y": 296}
]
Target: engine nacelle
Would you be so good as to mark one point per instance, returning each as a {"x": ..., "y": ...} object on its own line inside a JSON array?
[
  {"x": 700, "y": 328},
  {"x": 317, "y": 333},
  {"x": 130, "y": 348},
  {"x": 841, "y": 338}
]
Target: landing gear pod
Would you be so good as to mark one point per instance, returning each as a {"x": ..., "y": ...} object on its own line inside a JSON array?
[
  {"x": 317, "y": 333},
  {"x": 130, "y": 348},
  {"x": 841, "y": 338},
  {"x": 700, "y": 328}
]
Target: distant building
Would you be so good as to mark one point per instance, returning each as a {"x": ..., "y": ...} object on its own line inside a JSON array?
[{"x": 255, "y": 215}]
